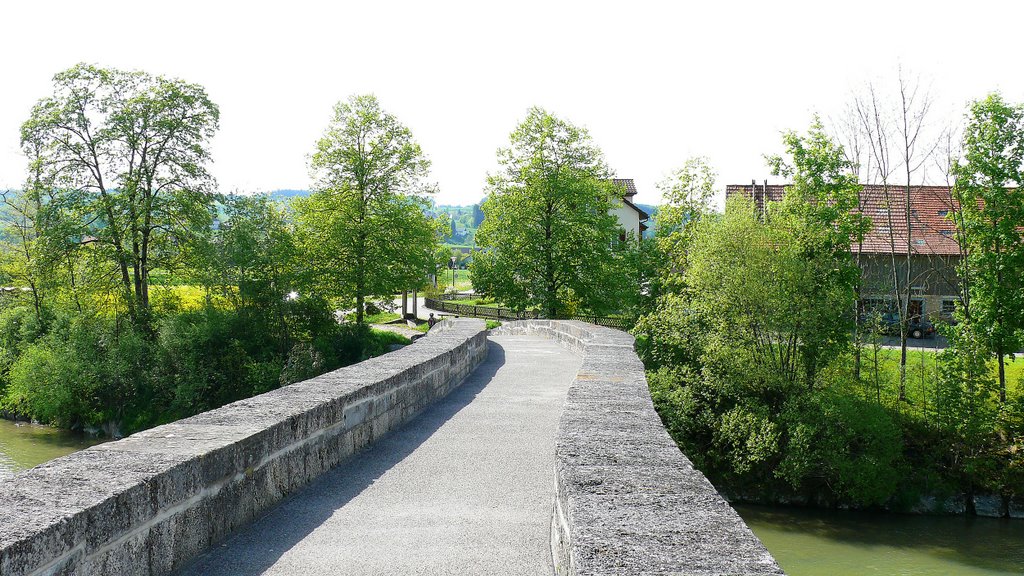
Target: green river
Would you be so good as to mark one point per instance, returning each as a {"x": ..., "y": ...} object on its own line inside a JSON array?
[
  {"x": 24, "y": 445},
  {"x": 837, "y": 543},
  {"x": 805, "y": 542}
]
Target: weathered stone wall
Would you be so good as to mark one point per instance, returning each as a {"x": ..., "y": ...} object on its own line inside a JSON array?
[
  {"x": 149, "y": 503},
  {"x": 627, "y": 500}
]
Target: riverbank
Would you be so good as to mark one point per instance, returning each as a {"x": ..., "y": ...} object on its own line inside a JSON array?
[
  {"x": 811, "y": 542},
  {"x": 24, "y": 445},
  {"x": 984, "y": 505}
]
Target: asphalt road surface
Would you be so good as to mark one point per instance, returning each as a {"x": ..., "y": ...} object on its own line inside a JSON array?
[{"x": 465, "y": 488}]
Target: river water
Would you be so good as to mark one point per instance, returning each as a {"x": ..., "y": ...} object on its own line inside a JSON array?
[
  {"x": 24, "y": 445},
  {"x": 837, "y": 543}
]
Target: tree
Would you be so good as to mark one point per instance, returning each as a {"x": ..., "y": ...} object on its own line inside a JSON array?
[
  {"x": 687, "y": 195},
  {"x": 766, "y": 293},
  {"x": 123, "y": 155},
  {"x": 823, "y": 199},
  {"x": 987, "y": 183},
  {"x": 887, "y": 140},
  {"x": 364, "y": 230},
  {"x": 547, "y": 239}
]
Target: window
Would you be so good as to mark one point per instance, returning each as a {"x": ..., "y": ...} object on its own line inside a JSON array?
[
  {"x": 946, "y": 233},
  {"x": 915, "y": 308},
  {"x": 919, "y": 242},
  {"x": 943, "y": 212},
  {"x": 948, "y": 307},
  {"x": 880, "y": 305}
]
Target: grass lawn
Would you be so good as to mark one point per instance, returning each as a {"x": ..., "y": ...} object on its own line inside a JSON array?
[
  {"x": 386, "y": 337},
  {"x": 463, "y": 281},
  {"x": 479, "y": 302},
  {"x": 379, "y": 318},
  {"x": 922, "y": 370}
]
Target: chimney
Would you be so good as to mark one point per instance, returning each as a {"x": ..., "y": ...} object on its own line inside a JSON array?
[{"x": 764, "y": 206}]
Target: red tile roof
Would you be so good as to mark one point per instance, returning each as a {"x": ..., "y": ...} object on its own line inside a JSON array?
[
  {"x": 627, "y": 183},
  {"x": 931, "y": 232},
  {"x": 628, "y": 191}
]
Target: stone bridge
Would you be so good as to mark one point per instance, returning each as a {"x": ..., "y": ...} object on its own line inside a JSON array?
[{"x": 534, "y": 449}]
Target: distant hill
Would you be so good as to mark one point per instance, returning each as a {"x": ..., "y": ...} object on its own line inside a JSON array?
[
  {"x": 286, "y": 195},
  {"x": 649, "y": 208},
  {"x": 652, "y": 222},
  {"x": 464, "y": 220}
]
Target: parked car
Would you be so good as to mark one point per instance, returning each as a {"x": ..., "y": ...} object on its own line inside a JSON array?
[{"x": 889, "y": 323}]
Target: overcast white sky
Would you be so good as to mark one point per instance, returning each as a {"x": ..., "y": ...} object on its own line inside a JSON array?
[{"x": 654, "y": 82}]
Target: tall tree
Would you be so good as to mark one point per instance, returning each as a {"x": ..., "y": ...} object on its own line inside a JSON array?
[
  {"x": 547, "y": 239},
  {"x": 364, "y": 229},
  {"x": 823, "y": 198},
  {"x": 892, "y": 132},
  {"x": 124, "y": 154},
  {"x": 687, "y": 194},
  {"x": 988, "y": 184}
]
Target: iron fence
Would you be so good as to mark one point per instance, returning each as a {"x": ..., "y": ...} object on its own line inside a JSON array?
[{"x": 447, "y": 304}]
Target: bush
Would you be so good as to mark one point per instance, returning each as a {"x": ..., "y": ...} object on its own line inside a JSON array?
[
  {"x": 844, "y": 447},
  {"x": 97, "y": 373},
  {"x": 19, "y": 328},
  {"x": 757, "y": 438}
]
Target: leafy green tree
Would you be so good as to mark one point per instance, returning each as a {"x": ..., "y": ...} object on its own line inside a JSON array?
[
  {"x": 992, "y": 212},
  {"x": 755, "y": 284},
  {"x": 124, "y": 154},
  {"x": 824, "y": 192},
  {"x": 364, "y": 231},
  {"x": 687, "y": 194},
  {"x": 966, "y": 413},
  {"x": 824, "y": 200},
  {"x": 547, "y": 239},
  {"x": 19, "y": 251}
]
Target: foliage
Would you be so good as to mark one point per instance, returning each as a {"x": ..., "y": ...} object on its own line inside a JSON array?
[
  {"x": 687, "y": 194},
  {"x": 139, "y": 307},
  {"x": 547, "y": 238},
  {"x": 992, "y": 219},
  {"x": 96, "y": 373},
  {"x": 843, "y": 445},
  {"x": 118, "y": 168},
  {"x": 749, "y": 352},
  {"x": 742, "y": 344},
  {"x": 757, "y": 285},
  {"x": 363, "y": 231}
]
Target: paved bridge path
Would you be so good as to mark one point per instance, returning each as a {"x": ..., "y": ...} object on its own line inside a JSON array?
[{"x": 465, "y": 488}]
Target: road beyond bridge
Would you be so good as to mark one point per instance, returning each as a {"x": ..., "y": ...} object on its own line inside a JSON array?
[{"x": 465, "y": 488}]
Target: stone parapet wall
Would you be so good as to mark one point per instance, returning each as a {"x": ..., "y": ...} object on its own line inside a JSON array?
[
  {"x": 148, "y": 504},
  {"x": 627, "y": 500}
]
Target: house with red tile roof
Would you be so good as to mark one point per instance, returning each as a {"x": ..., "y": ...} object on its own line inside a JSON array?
[
  {"x": 931, "y": 239},
  {"x": 631, "y": 218}
]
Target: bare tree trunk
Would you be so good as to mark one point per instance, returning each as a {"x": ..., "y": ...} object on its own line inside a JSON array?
[{"x": 913, "y": 113}]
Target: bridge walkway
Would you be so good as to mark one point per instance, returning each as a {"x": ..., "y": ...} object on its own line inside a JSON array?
[{"x": 465, "y": 488}]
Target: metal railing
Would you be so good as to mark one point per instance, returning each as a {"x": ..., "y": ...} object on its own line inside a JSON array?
[{"x": 447, "y": 304}]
